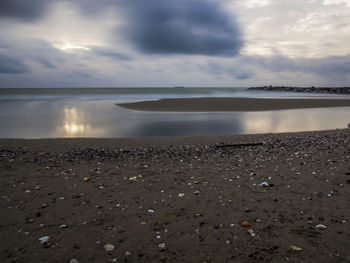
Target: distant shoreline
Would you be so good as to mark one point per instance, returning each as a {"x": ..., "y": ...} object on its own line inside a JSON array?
[
  {"x": 232, "y": 104},
  {"x": 329, "y": 90}
]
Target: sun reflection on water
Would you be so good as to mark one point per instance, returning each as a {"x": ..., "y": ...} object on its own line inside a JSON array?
[{"x": 74, "y": 122}]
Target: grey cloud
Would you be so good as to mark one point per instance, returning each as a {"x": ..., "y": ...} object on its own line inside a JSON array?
[
  {"x": 335, "y": 68},
  {"x": 10, "y": 65},
  {"x": 326, "y": 66},
  {"x": 244, "y": 75},
  {"x": 237, "y": 69},
  {"x": 23, "y": 9},
  {"x": 111, "y": 53},
  {"x": 180, "y": 27}
]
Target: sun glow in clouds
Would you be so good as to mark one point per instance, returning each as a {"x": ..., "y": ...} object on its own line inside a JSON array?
[{"x": 74, "y": 47}]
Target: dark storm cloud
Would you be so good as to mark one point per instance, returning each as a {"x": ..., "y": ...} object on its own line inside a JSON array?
[
  {"x": 180, "y": 27},
  {"x": 23, "y": 9},
  {"x": 10, "y": 65}
]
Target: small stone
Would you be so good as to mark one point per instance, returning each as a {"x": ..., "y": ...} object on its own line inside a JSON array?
[
  {"x": 86, "y": 179},
  {"x": 295, "y": 248},
  {"x": 321, "y": 227},
  {"x": 162, "y": 245},
  {"x": 245, "y": 224},
  {"x": 73, "y": 260},
  {"x": 150, "y": 211},
  {"x": 108, "y": 247},
  {"x": 181, "y": 195},
  {"x": 44, "y": 239},
  {"x": 251, "y": 232},
  {"x": 264, "y": 184},
  {"x": 63, "y": 226},
  {"x": 127, "y": 253},
  {"x": 196, "y": 193}
]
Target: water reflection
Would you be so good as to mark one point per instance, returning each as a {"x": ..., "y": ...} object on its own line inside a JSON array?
[
  {"x": 40, "y": 119},
  {"x": 74, "y": 122},
  {"x": 77, "y": 122},
  {"x": 295, "y": 120}
]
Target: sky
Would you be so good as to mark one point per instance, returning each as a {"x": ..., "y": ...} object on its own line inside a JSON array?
[{"x": 156, "y": 43}]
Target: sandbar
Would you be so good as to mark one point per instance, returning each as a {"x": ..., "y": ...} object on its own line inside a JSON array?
[{"x": 233, "y": 104}]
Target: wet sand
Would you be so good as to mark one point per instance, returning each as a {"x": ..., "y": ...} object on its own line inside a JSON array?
[
  {"x": 233, "y": 104},
  {"x": 177, "y": 199}
]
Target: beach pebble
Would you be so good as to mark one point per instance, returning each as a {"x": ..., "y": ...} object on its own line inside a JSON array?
[
  {"x": 73, "y": 260},
  {"x": 86, "y": 179},
  {"x": 127, "y": 253},
  {"x": 181, "y": 195},
  {"x": 63, "y": 226},
  {"x": 196, "y": 193},
  {"x": 295, "y": 248},
  {"x": 264, "y": 184},
  {"x": 162, "y": 245},
  {"x": 251, "y": 232},
  {"x": 108, "y": 247},
  {"x": 150, "y": 211},
  {"x": 44, "y": 239},
  {"x": 321, "y": 227},
  {"x": 245, "y": 224}
]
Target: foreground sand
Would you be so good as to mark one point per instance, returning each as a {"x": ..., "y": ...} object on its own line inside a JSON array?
[
  {"x": 177, "y": 199},
  {"x": 233, "y": 104}
]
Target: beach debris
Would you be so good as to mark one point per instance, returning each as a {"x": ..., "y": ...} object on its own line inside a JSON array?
[
  {"x": 181, "y": 195},
  {"x": 245, "y": 224},
  {"x": 73, "y": 260},
  {"x": 109, "y": 247},
  {"x": 295, "y": 248},
  {"x": 133, "y": 178},
  {"x": 86, "y": 179},
  {"x": 150, "y": 211},
  {"x": 127, "y": 253},
  {"x": 321, "y": 227},
  {"x": 63, "y": 226},
  {"x": 44, "y": 239},
  {"x": 196, "y": 193},
  {"x": 264, "y": 184},
  {"x": 251, "y": 232},
  {"x": 162, "y": 245}
]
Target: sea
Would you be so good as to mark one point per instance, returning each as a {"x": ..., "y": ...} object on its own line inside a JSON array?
[{"x": 92, "y": 112}]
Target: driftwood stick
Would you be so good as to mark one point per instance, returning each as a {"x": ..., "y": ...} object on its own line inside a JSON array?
[{"x": 239, "y": 144}]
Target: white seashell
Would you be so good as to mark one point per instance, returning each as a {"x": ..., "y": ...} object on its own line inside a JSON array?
[
  {"x": 264, "y": 184},
  {"x": 109, "y": 247},
  {"x": 44, "y": 239},
  {"x": 321, "y": 227}
]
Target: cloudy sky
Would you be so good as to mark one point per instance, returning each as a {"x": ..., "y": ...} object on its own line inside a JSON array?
[{"x": 118, "y": 43}]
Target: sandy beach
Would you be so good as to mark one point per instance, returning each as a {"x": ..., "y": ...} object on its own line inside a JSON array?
[
  {"x": 180, "y": 199},
  {"x": 233, "y": 104}
]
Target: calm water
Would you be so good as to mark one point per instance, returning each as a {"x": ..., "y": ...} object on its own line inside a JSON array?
[{"x": 51, "y": 113}]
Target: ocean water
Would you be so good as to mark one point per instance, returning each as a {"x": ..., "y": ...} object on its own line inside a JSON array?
[{"x": 91, "y": 112}]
